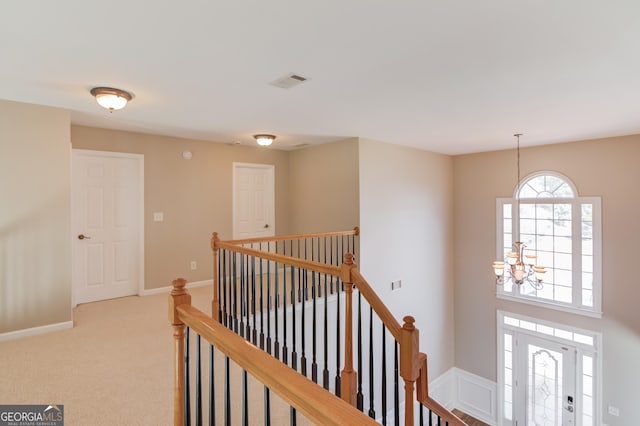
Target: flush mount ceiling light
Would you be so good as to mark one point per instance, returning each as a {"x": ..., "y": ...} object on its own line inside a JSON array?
[
  {"x": 264, "y": 140},
  {"x": 110, "y": 98}
]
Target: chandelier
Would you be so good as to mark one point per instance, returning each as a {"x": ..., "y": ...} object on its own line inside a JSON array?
[{"x": 519, "y": 267}]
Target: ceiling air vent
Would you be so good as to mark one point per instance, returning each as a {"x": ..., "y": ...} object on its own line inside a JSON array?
[{"x": 288, "y": 81}]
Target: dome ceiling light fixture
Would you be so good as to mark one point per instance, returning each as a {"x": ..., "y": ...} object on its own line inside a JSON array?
[
  {"x": 111, "y": 98},
  {"x": 264, "y": 140}
]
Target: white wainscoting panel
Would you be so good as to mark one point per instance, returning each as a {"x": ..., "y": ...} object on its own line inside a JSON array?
[{"x": 474, "y": 395}]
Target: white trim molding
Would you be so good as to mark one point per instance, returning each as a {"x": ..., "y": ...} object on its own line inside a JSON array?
[
  {"x": 34, "y": 331},
  {"x": 468, "y": 392}
]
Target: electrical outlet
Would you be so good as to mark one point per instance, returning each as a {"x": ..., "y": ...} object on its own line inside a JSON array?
[
  {"x": 396, "y": 284},
  {"x": 158, "y": 217},
  {"x": 194, "y": 265},
  {"x": 614, "y": 411}
]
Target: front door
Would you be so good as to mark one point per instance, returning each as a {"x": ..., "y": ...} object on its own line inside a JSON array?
[
  {"x": 546, "y": 382},
  {"x": 106, "y": 224},
  {"x": 253, "y": 200}
]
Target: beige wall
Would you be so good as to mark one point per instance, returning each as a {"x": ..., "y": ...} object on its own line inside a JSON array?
[
  {"x": 324, "y": 187},
  {"x": 609, "y": 168},
  {"x": 195, "y": 196},
  {"x": 35, "y": 249},
  {"x": 406, "y": 221}
]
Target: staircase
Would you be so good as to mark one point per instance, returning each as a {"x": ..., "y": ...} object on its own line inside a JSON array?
[{"x": 293, "y": 316}]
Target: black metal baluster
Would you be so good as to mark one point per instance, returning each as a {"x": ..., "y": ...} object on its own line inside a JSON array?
[
  {"x": 372, "y": 411},
  {"x": 325, "y": 372},
  {"x": 292, "y": 416},
  {"x": 227, "y": 393},
  {"x": 303, "y": 358},
  {"x": 338, "y": 343},
  {"x": 242, "y": 305},
  {"x": 245, "y": 399},
  {"x": 430, "y": 417},
  {"x": 187, "y": 381},
  {"x": 384, "y": 375},
  {"x": 198, "y": 382},
  {"x": 277, "y": 306},
  {"x": 225, "y": 308},
  {"x": 331, "y": 253},
  {"x": 359, "y": 395},
  {"x": 396, "y": 387},
  {"x": 261, "y": 304},
  {"x": 220, "y": 301},
  {"x": 269, "y": 306},
  {"x": 314, "y": 337},
  {"x": 285, "y": 350},
  {"x": 267, "y": 406},
  {"x": 235, "y": 293},
  {"x": 294, "y": 353},
  {"x": 421, "y": 415},
  {"x": 212, "y": 387},
  {"x": 254, "y": 332}
]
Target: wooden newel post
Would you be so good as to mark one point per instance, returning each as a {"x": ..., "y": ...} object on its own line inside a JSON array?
[
  {"x": 409, "y": 365},
  {"x": 348, "y": 384},
  {"x": 215, "y": 303},
  {"x": 178, "y": 296}
]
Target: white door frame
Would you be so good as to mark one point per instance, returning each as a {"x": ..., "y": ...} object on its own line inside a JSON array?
[
  {"x": 140, "y": 159},
  {"x": 586, "y": 342},
  {"x": 269, "y": 168}
]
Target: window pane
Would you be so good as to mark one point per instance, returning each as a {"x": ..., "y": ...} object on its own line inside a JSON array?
[
  {"x": 587, "y": 298},
  {"x": 563, "y": 294},
  {"x": 545, "y": 258},
  {"x": 587, "y": 246},
  {"x": 529, "y": 241},
  {"x": 563, "y": 244},
  {"x": 562, "y": 211},
  {"x": 552, "y": 183},
  {"x": 544, "y": 243},
  {"x": 544, "y": 211},
  {"x": 587, "y": 405},
  {"x": 587, "y": 280},
  {"x": 587, "y": 365},
  {"x": 587, "y": 263},
  {"x": 587, "y": 212},
  {"x": 563, "y": 277},
  {"x": 527, "y": 226},
  {"x": 528, "y": 192},
  {"x": 564, "y": 191},
  {"x": 581, "y": 338},
  {"x": 562, "y": 227},
  {"x": 506, "y": 225},
  {"x": 546, "y": 292},
  {"x": 506, "y": 211},
  {"x": 587, "y": 230},
  {"x": 561, "y": 260},
  {"x": 537, "y": 183},
  {"x": 527, "y": 211}
]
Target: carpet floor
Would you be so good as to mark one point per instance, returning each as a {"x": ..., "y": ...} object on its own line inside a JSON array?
[{"x": 114, "y": 367}]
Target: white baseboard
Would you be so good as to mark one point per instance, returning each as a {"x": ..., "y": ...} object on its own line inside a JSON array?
[
  {"x": 168, "y": 288},
  {"x": 474, "y": 395},
  {"x": 34, "y": 331}
]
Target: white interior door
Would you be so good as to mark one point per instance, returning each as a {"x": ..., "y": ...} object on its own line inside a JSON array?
[
  {"x": 253, "y": 200},
  {"x": 107, "y": 224},
  {"x": 546, "y": 382}
]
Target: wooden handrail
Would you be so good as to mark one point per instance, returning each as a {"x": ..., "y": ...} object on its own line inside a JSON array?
[
  {"x": 316, "y": 403},
  {"x": 322, "y": 268},
  {"x": 354, "y": 231},
  {"x": 377, "y": 304}
]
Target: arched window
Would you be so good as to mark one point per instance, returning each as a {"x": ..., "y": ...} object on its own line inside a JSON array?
[{"x": 564, "y": 231}]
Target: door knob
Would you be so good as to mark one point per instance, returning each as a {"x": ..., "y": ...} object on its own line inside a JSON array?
[
  {"x": 266, "y": 226},
  {"x": 82, "y": 237}
]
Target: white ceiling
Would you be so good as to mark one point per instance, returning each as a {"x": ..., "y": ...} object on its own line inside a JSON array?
[{"x": 450, "y": 76}]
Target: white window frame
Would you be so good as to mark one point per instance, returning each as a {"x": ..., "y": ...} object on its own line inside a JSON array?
[
  {"x": 576, "y": 307},
  {"x": 561, "y": 332}
]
